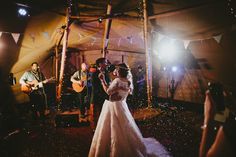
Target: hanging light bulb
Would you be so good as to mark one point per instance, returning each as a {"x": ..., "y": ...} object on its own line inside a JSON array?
[{"x": 22, "y": 12}]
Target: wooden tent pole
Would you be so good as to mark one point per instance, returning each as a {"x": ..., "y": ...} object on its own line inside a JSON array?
[
  {"x": 106, "y": 31},
  {"x": 148, "y": 55},
  {"x": 63, "y": 57},
  {"x": 57, "y": 55},
  {"x": 56, "y": 63}
]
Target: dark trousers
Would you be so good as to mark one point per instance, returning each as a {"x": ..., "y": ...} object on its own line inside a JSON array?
[
  {"x": 83, "y": 100},
  {"x": 96, "y": 110},
  {"x": 38, "y": 104},
  {"x": 141, "y": 94}
]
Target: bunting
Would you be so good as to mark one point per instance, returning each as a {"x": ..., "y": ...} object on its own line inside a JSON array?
[
  {"x": 80, "y": 36},
  {"x": 106, "y": 42},
  {"x": 217, "y": 38},
  {"x": 46, "y": 35},
  {"x": 16, "y": 36},
  {"x": 130, "y": 39},
  {"x": 186, "y": 43},
  {"x": 94, "y": 40},
  {"x": 119, "y": 42},
  {"x": 140, "y": 34}
]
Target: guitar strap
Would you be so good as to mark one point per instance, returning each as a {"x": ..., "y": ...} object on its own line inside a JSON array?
[
  {"x": 87, "y": 82},
  {"x": 36, "y": 76},
  {"x": 39, "y": 78},
  {"x": 81, "y": 77},
  {"x": 80, "y": 74},
  {"x": 87, "y": 94}
]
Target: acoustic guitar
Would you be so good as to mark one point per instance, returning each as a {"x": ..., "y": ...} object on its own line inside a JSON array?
[
  {"x": 77, "y": 87},
  {"x": 33, "y": 85}
]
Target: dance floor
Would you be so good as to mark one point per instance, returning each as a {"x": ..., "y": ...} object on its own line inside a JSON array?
[{"x": 177, "y": 129}]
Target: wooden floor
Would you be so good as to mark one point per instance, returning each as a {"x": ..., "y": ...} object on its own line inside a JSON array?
[{"x": 179, "y": 132}]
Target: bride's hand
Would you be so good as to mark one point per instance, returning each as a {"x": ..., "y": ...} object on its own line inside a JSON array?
[
  {"x": 209, "y": 108},
  {"x": 101, "y": 76}
]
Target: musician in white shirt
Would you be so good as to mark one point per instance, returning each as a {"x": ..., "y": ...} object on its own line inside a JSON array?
[{"x": 33, "y": 81}]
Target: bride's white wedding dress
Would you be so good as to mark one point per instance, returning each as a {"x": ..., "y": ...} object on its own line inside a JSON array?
[{"x": 117, "y": 134}]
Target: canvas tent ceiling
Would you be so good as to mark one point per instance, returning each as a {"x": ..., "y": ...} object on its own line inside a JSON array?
[{"x": 179, "y": 19}]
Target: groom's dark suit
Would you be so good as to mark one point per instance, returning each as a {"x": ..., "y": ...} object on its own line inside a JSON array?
[{"x": 98, "y": 95}]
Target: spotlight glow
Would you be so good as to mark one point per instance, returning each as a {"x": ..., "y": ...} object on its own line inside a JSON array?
[
  {"x": 167, "y": 53},
  {"x": 167, "y": 50},
  {"x": 164, "y": 68},
  {"x": 22, "y": 11},
  {"x": 174, "y": 68}
]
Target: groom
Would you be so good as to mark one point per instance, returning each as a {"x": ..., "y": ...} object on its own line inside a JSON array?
[{"x": 98, "y": 95}]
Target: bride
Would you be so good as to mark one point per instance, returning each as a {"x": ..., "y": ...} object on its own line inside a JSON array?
[{"x": 117, "y": 134}]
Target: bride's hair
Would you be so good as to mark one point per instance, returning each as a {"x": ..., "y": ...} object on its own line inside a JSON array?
[{"x": 123, "y": 70}]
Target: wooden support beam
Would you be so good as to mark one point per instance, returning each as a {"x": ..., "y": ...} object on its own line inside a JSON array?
[
  {"x": 63, "y": 57},
  {"x": 106, "y": 31},
  {"x": 56, "y": 61},
  {"x": 96, "y": 17},
  {"x": 148, "y": 54}
]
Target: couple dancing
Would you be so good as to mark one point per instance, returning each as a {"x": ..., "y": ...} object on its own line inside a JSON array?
[{"x": 117, "y": 134}]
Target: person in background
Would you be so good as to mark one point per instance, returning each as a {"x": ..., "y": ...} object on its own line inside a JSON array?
[
  {"x": 82, "y": 78},
  {"x": 140, "y": 84},
  {"x": 224, "y": 142},
  {"x": 34, "y": 80}
]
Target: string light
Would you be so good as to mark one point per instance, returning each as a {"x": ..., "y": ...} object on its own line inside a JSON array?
[
  {"x": 69, "y": 6},
  {"x": 22, "y": 12},
  {"x": 100, "y": 19},
  {"x": 140, "y": 9},
  {"x": 231, "y": 8}
]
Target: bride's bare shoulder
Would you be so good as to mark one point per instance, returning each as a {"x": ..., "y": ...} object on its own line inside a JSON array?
[{"x": 124, "y": 79}]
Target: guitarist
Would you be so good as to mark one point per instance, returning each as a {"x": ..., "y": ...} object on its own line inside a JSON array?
[
  {"x": 82, "y": 79},
  {"x": 34, "y": 79}
]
